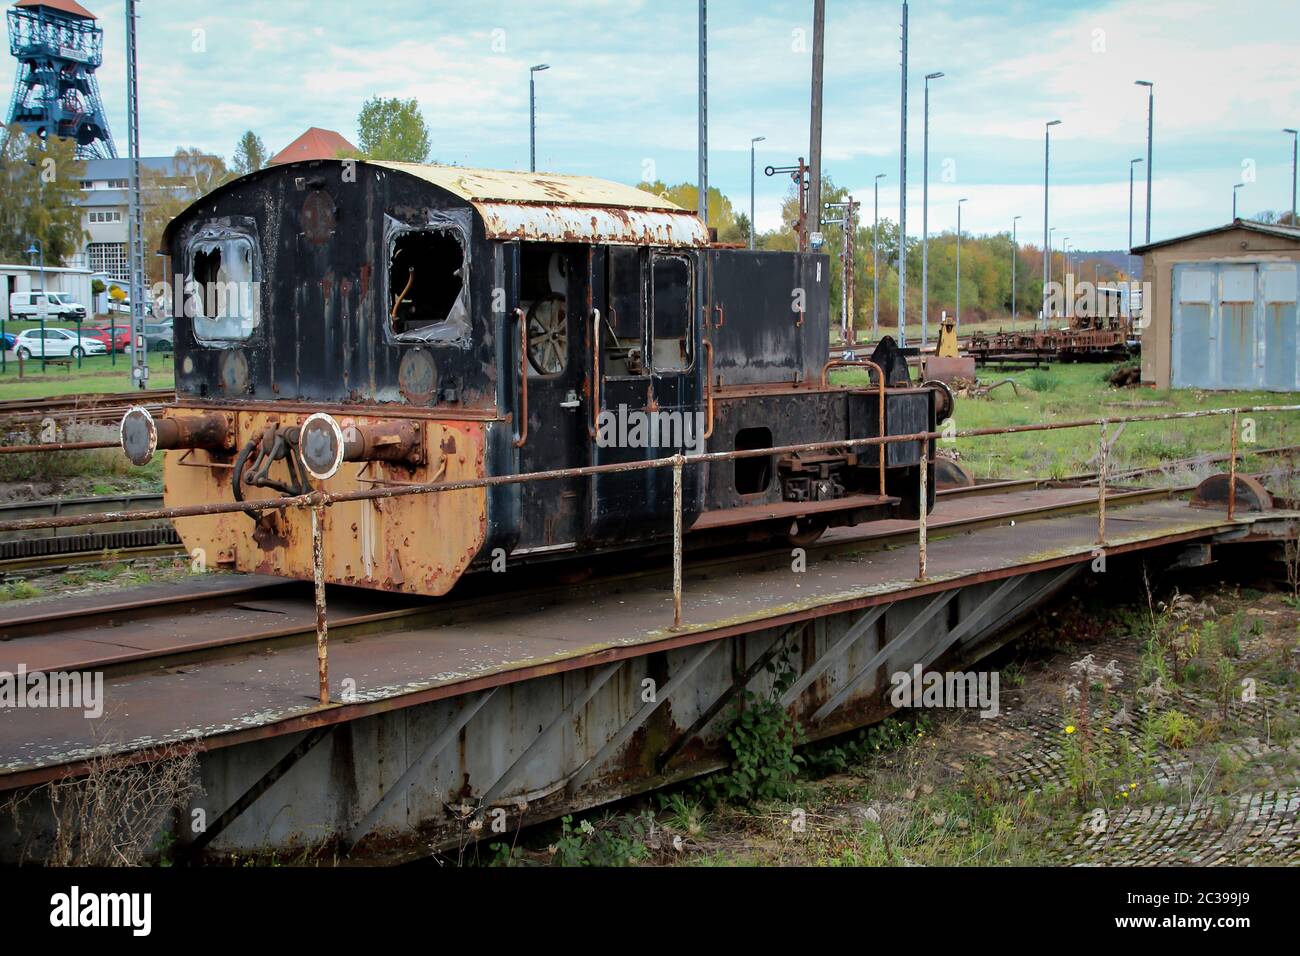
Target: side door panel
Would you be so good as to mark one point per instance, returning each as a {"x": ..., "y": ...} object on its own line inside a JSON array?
[
  {"x": 555, "y": 295},
  {"x": 650, "y": 391}
]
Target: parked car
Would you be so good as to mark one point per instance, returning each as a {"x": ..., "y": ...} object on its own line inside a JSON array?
[
  {"x": 57, "y": 305},
  {"x": 158, "y": 336},
  {"x": 7, "y": 341},
  {"x": 121, "y": 334},
  {"x": 57, "y": 343}
]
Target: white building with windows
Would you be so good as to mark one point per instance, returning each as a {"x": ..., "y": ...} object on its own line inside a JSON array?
[{"x": 105, "y": 213}]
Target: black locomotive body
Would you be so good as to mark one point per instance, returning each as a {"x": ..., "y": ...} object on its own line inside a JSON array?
[{"x": 355, "y": 325}]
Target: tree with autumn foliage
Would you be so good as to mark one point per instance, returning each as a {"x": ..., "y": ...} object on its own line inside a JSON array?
[{"x": 40, "y": 197}]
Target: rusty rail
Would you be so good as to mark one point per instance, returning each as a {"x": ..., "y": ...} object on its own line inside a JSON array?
[
  {"x": 1232, "y": 470},
  {"x": 594, "y": 428},
  {"x": 1103, "y": 454},
  {"x": 523, "y": 379},
  {"x": 880, "y": 383},
  {"x": 708, "y": 385},
  {"x": 303, "y": 501},
  {"x": 56, "y": 446},
  {"x": 318, "y": 501}
]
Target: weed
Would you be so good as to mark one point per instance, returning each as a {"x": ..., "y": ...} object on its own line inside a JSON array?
[
  {"x": 682, "y": 814},
  {"x": 1042, "y": 380},
  {"x": 762, "y": 737},
  {"x": 616, "y": 840},
  {"x": 19, "y": 591},
  {"x": 1177, "y": 729}
]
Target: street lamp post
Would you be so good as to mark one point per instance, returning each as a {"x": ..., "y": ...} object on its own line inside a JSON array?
[
  {"x": 902, "y": 190},
  {"x": 752, "y": 227},
  {"x": 1049, "y": 272},
  {"x": 1295, "y": 153},
  {"x": 875, "y": 262},
  {"x": 1015, "y": 254},
  {"x": 1151, "y": 109},
  {"x": 44, "y": 297},
  {"x": 925, "y": 216},
  {"x": 1065, "y": 270},
  {"x": 1131, "y": 164},
  {"x": 532, "y": 114},
  {"x": 958, "y": 324},
  {"x": 1234, "y": 200},
  {"x": 1047, "y": 248}
]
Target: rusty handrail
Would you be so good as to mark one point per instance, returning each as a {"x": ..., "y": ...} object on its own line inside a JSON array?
[
  {"x": 319, "y": 500},
  {"x": 594, "y": 428},
  {"x": 308, "y": 500},
  {"x": 523, "y": 378},
  {"x": 57, "y": 446},
  {"x": 708, "y": 385},
  {"x": 880, "y": 384}
]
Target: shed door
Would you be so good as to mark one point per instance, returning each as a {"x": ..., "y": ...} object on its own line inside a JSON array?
[
  {"x": 1237, "y": 326},
  {"x": 1279, "y": 294},
  {"x": 1234, "y": 326},
  {"x": 1193, "y": 340}
]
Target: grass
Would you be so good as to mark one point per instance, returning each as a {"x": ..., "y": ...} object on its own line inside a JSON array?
[
  {"x": 84, "y": 472},
  {"x": 97, "y": 374},
  {"x": 1061, "y": 393},
  {"x": 950, "y": 789}
]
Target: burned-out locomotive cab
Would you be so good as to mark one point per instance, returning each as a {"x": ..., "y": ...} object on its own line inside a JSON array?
[{"x": 346, "y": 326}]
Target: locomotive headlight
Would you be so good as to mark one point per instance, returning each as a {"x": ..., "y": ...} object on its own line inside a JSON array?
[
  {"x": 139, "y": 435},
  {"x": 321, "y": 444}
]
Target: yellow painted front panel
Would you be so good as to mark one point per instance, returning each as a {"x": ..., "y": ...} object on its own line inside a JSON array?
[{"x": 419, "y": 543}]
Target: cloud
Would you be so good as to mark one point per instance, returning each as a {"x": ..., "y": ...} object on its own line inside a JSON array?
[{"x": 626, "y": 92}]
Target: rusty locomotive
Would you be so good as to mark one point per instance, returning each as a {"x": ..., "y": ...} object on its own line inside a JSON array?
[{"x": 348, "y": 325}]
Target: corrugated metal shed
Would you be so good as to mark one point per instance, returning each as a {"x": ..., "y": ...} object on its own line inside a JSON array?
[
  {"x": 1276, "y": 229},
  {"x": 1220, "y": 308},
  {"x": 546, "y": 207}
]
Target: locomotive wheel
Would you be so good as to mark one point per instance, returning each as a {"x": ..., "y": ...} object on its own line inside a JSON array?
[
  {"x": 805, "y": 531},
  {"x": 548, "y": 335},
  {"x": 949, "y": 474},
  {"x": 575, "y": 574},
  {"x": 1251, "y": 495}
]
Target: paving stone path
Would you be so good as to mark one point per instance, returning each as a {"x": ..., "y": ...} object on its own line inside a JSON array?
[{"x": 1191, "y": 819}]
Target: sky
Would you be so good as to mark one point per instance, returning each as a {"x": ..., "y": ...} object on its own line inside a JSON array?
[{"x": 620, "y": 98}]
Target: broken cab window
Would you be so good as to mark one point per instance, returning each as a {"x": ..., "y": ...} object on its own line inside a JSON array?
[
  {"x": 544, "y": 293},
  {"x": 425, "y": 280},
  {"x": 672, "y": 302},
  {"x": 221, "y": 294},
  {"x": 622, "y": 347}
]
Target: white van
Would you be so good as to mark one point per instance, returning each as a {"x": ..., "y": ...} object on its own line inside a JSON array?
[{"x": 58, "y": 305}]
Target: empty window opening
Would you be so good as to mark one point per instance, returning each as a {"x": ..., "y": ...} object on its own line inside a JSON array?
[
  {"x": 671, "y": 297},
  {"x": 222, "y": 297},
  {"x": 424, "y": 279},
  {"x": 622, "y": 346},
  {"x": 753, "y": 475}
]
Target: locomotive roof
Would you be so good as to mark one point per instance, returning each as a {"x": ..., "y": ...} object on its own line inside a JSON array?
[
  {"x": 536, "y": 207},
  {"x": 550, "y": 207}
]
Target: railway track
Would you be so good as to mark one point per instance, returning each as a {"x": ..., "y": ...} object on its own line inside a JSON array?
[
  {"x": 37, "y": 550},
  {"x": 218, "y": 615},
  {"x": 96, "y": 408}
]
